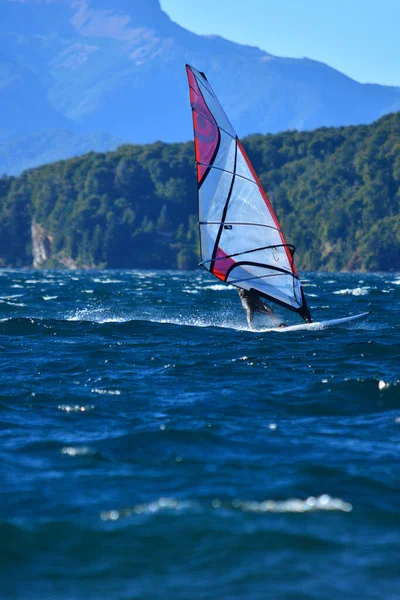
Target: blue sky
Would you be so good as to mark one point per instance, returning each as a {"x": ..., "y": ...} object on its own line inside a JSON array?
[{"x": 358, "y": 37}]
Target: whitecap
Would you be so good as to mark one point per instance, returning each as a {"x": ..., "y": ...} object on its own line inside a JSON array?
[
  {"x": 49, "y": 297},
  {"x": 359, "y": 291},
  {"x": 94, "y": 315},
  {"x": 200, "y": 322},
  {"x": 149, "y": 508},
  {"x": 295, "y": 505},
  {"x": 217, "y": 287},
  {"x": 104, "y": 391},
  {"x": 97, "y": 280},
  {"x": 12, "y": 303},
  {"x": 77, "y": 451},
  {"x": 324, "y": 503},
  {"x": 68, "y": 408}
]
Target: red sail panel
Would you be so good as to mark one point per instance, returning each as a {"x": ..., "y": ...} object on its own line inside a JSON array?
[
  {"x": 206, "y": 133},
  {"x": 222, "y": 264}
]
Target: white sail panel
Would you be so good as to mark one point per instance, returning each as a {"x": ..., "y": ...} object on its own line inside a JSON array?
[
  {"x": 225, "y": 157},
  {"x": 208, "y": 235},
  {"x": 245, "y": 169},
  {"x": 213, "y": 194},
  {"x": 247, "y": 205},
  {"x": 276, "y": 286},
  {"x": 249, "y": 243},
  {"x": 265, "y": 269}
]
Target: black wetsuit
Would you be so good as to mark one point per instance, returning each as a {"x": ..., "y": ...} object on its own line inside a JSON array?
[{"x": 252, "y": 303}]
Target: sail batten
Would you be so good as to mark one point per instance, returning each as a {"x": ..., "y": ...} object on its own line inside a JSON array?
[
  {"x": 253, "y": 250},
  {"x": 240, "y": 237},
  {"x": 226, "y": 171},
  {"x": 239, "y": 223}
]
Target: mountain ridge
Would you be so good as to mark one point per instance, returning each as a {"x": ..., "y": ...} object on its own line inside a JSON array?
[{"x": 118, "y": 66}]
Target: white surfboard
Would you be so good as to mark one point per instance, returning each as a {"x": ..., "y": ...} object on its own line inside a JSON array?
[{"x": 319, "y": 324}]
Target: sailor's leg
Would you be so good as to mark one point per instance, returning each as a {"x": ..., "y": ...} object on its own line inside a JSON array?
[
  {"x": 249, "y": 316},
  {"x": 267, "y": 310},
  {"x": 264, "y": 309}
]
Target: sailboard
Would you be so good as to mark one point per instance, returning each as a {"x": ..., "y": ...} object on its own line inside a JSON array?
[
  {"x": 317, "y": 325},
  {"x": 241, "y": 240}
]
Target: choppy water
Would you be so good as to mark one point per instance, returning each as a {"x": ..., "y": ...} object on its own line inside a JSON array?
[{"x": 152, "y": 447}]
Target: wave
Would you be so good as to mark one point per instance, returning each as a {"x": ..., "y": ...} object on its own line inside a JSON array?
[
  {"x": 358, "y": 291},
  {"x": 106, "y": 392},
  {"x": 12, "y": 303},
  {"x": 97, "y": 315},
  {"x": 334, "y": 396},
  {"x": 77, "y": 451},
  {"x": 107, "y": 280},
  {"x": 236, "y": 323},
  {"x": 101, "y": 316},
  {"x": 218, "y": 287},
  {"x": 75, "y": 408},
  {"x": 323, "y": 503}
]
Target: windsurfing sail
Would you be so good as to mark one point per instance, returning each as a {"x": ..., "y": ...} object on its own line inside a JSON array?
[{"x": 241, "y": 240}]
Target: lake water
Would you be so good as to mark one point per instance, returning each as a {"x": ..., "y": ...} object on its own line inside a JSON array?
[{"x": 152, "y": 447}]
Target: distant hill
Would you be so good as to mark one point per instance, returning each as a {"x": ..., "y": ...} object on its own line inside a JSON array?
[
  {"x": 49, "y": 146},
  {"x": 336, "y": 192},
  {"x": 116, "y": 66}
]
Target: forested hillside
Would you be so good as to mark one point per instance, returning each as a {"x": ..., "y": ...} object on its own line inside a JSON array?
[{"x": 335, "y": 191}]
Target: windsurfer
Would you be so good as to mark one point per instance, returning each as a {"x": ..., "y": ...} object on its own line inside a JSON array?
[
  {"x": 252, "y": 303},
  {"x": 241, "y": 239}
]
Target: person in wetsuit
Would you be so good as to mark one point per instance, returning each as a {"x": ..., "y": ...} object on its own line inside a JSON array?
[{"x": 252, "y": 303}]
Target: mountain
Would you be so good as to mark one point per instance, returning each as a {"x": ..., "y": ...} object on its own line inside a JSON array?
[
  {"x": 46, "y": 147},
  {"x": 117, "y": 66},
  {"x": 336, "y": 192}
]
